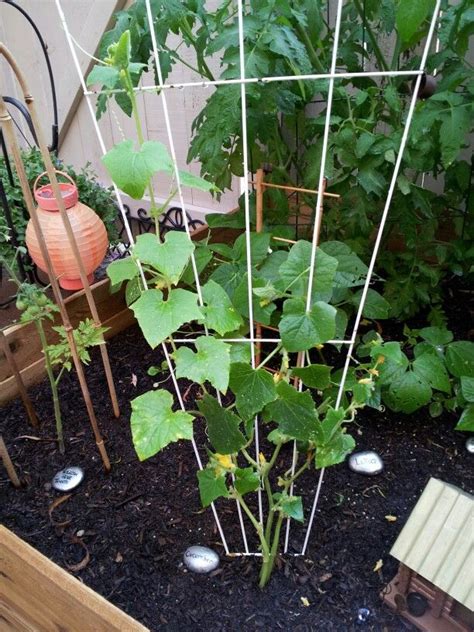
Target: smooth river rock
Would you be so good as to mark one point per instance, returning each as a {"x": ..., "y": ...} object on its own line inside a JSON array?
[
  {"x": 470, "y": 445},
  {"x": 201, "y": 559},
  {"x": 366, "y": 462},
  {"x": 68, "y": 479}
]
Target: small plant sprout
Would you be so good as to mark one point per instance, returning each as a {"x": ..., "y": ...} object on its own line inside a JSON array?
[{"x": 36, "y": 307}]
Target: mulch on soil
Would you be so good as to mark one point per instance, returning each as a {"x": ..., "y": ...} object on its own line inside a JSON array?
[{"x": 137, "y": 521}]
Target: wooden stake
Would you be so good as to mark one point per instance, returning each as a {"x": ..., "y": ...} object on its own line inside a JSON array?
[
  {"x": 7, "y": 126},
  {"x": 284, "y": 240},
  {"x": 7, "y": 462},
  {"x": 67, "y": 224},
  {"x": 269, "y": 185},
  {"x": 27, "y": 403}
]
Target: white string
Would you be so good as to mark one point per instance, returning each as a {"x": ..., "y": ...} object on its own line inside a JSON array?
[
  {"x": 378, "y": 240},
  {"x": 131, "y": 239},
  {"x": 248, "y": 80},
  {"x": 244, "y": 189}
]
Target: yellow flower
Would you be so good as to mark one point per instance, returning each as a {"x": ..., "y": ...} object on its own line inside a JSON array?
[
  {"x": 225, "y": 460},
  {"x": 380, "y": 359},
  {"x": 261, "y": 458},
  {"x": 365, "y": 380},
  {"x": 374, "y": 372}
]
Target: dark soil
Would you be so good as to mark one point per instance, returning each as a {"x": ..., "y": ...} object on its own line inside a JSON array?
[{"x": 137, "y": 521}]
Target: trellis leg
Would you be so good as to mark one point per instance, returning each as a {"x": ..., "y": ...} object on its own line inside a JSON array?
[
  {"x": 378, "y": 240},
  {"x": 181, "y": 199},
  {"x": 301, "y": 361},
  {"x": 244, "y": 189},
  {"x": 7, "y": 125},
  {"x": 8, "y": 464},
  {"x": 27, "y": 403}
]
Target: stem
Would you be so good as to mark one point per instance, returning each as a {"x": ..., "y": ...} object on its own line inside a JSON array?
[
  {"x": 258, "y": 527},
  {"x": 138, "y": 125},
  {"x": 373, "y": 40},
  {"x": 53, "y": 384},
  {"x": 203, "y": 67},
  {"x": 270, "y": 356},
  {"x": 249, "y": 458},
  {"x": 309, "y": 48},
  {"x": 269, "y": 561}
]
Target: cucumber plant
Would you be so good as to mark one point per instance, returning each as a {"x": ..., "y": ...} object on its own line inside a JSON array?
[{"x": 169, "y": 300}]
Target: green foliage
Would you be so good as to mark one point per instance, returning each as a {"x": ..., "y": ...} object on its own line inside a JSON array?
[
  {"x": 86, "y": 335},
  {"x": 155, "y": 425},
  {"x": 210, "y": 363},
  {"x": 223, "y": 426},
  {"x": 367, "y": 121},
  {"x": 159, "y": 318},
  {"x": 440, "y": 372}
]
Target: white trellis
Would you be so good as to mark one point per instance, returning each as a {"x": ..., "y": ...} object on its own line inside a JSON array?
[{"x": 331, "y": 77}]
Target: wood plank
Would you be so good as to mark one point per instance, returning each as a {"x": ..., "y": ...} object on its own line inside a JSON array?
[{"x": 37, "y": 595}]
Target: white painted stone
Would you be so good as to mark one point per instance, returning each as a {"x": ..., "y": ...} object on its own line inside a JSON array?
[
  {"x": 68, "y": 479},
  {"x": 470, "y": 445},
  {"x": 201, "y": 559},
  {"x": 366, "y": 462}
]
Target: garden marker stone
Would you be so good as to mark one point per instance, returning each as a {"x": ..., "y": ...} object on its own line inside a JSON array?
[
  {"x": 201, "y": 559},
  {"x": 68, "y": 479},
  {"x": 366, "y": 462},
  {"x": 470, "y": 445}
]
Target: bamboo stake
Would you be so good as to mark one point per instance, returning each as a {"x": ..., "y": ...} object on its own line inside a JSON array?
[
  {"x": 27, "y": 403},
  {"x": 269, "y": 185},
  {"x": 7, "y": 126},
  {"x": 8, "y": 464},
  {"x": 67, "y": 224},
  {"x": 284, "y": 240}
]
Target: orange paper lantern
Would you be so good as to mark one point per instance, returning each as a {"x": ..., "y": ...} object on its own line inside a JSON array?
[{"x": 89, "y": 231}]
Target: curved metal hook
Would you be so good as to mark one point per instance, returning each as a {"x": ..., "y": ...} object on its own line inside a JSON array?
[{"x": 55, "y": 126}]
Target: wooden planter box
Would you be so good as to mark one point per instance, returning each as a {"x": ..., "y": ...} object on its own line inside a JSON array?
[{"x": 36, "y": 595}]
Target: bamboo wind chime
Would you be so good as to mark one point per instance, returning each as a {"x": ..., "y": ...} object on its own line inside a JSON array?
[{"x": 12, "y": 143}]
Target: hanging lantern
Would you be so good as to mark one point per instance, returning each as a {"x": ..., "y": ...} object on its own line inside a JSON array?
[{"x": 89, "y": 231}]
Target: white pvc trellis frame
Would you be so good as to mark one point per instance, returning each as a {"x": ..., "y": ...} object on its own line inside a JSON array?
[{"x": 242, "y": 81}]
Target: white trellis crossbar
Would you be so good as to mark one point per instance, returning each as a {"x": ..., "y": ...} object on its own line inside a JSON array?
[{"x": 332, "y": 76}]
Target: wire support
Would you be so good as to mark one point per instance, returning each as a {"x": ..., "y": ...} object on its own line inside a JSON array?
[
  {"x": 255, "y": 340},
  {"x": 245, "y": 190},
  {"x": 263, "y": 80}
]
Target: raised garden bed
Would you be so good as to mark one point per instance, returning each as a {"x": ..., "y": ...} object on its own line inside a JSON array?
[{"x": 137, "y": 522}]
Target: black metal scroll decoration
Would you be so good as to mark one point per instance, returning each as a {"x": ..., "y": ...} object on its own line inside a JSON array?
[{"x": 141, "y": 223}]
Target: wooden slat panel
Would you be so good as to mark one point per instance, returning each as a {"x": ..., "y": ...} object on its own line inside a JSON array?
[{"x": 39, "y": 596}]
